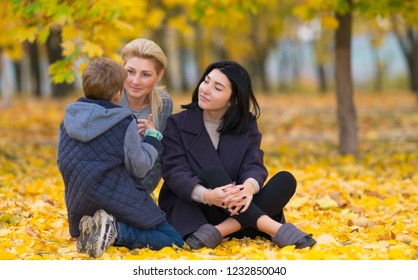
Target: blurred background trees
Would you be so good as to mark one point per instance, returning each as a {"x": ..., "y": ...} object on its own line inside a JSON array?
[{"x": 287, "y": 45}]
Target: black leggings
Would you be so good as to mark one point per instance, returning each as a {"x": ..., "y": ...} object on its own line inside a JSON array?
[{"x": 270, "y": 200}]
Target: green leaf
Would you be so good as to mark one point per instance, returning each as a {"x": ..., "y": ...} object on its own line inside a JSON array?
[
  {"x": 43, "y": 35},
  {"x": 9, "y": 219}
]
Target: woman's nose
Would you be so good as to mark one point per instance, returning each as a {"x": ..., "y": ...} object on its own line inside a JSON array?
[
  {"x": 136, "y": 79},
  {"x": 204, "y": 88}
]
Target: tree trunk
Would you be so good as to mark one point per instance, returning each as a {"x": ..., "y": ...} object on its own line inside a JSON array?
[
  {"x": 414, "y": 54},
  {"x": 284, "y": 66},
  {"x": 18, "y": 76},
  {"x": 174, "y": 72},
  {"x": 296, "y": 61},
  {"x": 54, "y": 50},
  {"x": 344, "y": 86},
  {"x": 25, "y": 73},
  {"x": 6, "y": 76},
  {"x": 408, "y": 40},
  {"x": 186, "y": 67},
  {"x": 200, "y": 50},
  {"x": 410, "y": 50},
  {"x": 257, "y": 59},
  {"x": 379, "y": 74},
  {"x": 322, "y": 79},
  {"x": 322, "y": 49},
  {"x": 35, "y": 68},
  {"x": 258, "y": 76}
]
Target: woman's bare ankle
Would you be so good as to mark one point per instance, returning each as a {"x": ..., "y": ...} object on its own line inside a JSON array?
[
  {"x": 228, "y": 227},
  {"x": 268, "y": 225}
]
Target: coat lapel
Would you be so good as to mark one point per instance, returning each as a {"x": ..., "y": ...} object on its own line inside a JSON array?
[{"x": 199, "y": 145}]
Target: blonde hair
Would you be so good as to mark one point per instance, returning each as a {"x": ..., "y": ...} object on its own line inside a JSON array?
[{"x": 148, "y": 49}]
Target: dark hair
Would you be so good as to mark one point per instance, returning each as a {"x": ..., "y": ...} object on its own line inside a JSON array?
[
  {"x": 103, "y": 78},
  {"x": 243, "y": 102}
]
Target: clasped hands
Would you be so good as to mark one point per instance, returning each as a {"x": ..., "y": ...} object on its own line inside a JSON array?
[{"x": 234, "y": 198}]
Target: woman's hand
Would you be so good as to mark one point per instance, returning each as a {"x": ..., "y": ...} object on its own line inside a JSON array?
[
  {"x": 218, "y": 195},
  {"x": 238, "y": 201},
  {"x": 144, "y": 124}
]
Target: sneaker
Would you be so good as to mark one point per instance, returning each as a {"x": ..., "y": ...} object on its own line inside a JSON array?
[
  {"x": 85, "y": 226},
  {"x": 103, "y": 235}
]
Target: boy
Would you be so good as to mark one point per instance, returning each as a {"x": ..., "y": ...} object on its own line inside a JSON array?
[{"x": 101, "y": 158}]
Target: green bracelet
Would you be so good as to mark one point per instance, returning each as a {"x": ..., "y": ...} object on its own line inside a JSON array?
[{"x": 153, "y": 133}]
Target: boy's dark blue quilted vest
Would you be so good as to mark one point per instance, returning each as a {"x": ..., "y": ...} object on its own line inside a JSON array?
[{"x": 95, "y": 178}]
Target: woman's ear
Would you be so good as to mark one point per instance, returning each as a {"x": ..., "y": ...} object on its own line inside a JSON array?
[{"x": 161, "y": 74}]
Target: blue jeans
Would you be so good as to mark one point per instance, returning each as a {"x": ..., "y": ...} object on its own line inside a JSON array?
[{"x": 160, "y": 236}]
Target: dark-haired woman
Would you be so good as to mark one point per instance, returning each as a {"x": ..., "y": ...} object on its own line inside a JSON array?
[{"x": 213, "y": 171}]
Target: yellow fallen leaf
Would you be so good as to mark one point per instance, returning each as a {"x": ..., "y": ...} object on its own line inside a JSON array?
[
  {"x": 326, "y": 202},
  {"x": 66, "y": 250},
  {"x": 220, "y": 252},
  {"x": 405, "y": 238},
  {"x": 7, "y": 256},
  {"x": 62, "y": 235},
  {"x": 377, "y": 245},
  {"x": 4, "y": 232},
  {"x": 386, "y": 235},
  {"x": 298, "y": 202},
  {"x": 398, "y": 253},
  {"x": 326, "y": 239},
  {"x": 167, "y": 252},
  {"x": 363, "y": 222}
]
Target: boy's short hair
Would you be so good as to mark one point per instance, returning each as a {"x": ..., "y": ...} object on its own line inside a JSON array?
[{"x": 103, "y": 78}]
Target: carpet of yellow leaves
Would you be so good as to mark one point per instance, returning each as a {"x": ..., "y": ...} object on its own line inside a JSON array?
[{"x": 356, "y": 208}]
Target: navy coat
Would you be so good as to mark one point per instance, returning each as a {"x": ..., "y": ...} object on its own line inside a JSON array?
[{"x": 188, "y": 150}]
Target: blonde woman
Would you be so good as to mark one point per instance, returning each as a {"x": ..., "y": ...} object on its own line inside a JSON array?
[{"x": 145, "y": 63}]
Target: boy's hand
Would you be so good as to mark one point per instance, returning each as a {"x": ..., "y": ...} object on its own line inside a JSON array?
[{"x": 144, "y": 124}]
